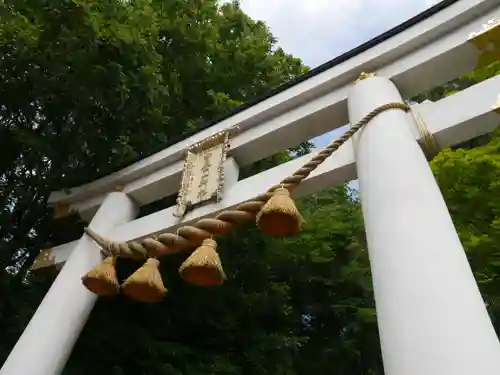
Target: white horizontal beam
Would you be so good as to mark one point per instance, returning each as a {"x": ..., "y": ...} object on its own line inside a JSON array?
[
  {"x": 464, "y": 115},
  {"x": 334, "y": 171},
  {"x": 417, "y": 59},
  {"x": 452, "y": 120}
]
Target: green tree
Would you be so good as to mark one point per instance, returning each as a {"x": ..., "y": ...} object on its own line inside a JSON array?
[
  {"x": 468, "y": 177},
  {"x": 90, "y": 86},
  {"x": 469, "y": 181}
]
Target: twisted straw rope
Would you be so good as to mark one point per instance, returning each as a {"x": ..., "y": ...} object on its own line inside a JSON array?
[
  {"x": 189, "y": 236},
  {"x": 430, "y": 146}
]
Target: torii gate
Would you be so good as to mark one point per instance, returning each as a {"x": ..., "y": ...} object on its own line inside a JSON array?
[{"x": 411, "y": 238}]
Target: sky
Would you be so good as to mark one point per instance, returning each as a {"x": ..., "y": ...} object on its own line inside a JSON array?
[{"x": 319, "y": 30}]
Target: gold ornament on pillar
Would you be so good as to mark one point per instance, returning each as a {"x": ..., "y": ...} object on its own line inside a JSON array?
[
  {"x": 203, "y": 267},
  {"x": 487, "y": 41},
  {"x": 365, "y": 75},
  {"x": 279, "y": 217},
  {"x": 102, "y": 278},
  {"x": 145, "y": 284}
]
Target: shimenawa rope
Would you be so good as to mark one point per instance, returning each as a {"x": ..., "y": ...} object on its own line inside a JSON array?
[{"x": 189, "y": 236}]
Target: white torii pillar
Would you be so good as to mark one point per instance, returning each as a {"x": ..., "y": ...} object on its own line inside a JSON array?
[
  {"x": 431, "y": 317},
  {"x": 47, "y": 341}
]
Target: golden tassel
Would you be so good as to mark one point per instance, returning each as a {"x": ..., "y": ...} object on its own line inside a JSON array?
[
  {"x": 203, "y": 267},
  {"x": 279, "y": 217},
  {"x": 145, "y": 284},
  {"x": 102, "y": 278}
]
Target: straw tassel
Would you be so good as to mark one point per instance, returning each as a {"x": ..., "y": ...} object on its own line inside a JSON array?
[
  {"x": 279, "y": 217},
  {"x": 203, "y": 267},
  {"x": 102, "y": 278},
  {"x": 145, "y": 284}
]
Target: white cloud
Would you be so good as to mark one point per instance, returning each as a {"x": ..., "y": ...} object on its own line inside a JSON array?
[{"x": 319, "y": 30}]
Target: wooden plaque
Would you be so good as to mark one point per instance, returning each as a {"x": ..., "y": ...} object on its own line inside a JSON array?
[{"x": 203, "y": 173}]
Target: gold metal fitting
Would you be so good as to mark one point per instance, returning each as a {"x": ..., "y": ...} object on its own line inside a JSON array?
[
  {"x": 487, "y": 41},
  {"x": 365, "y": 75}
]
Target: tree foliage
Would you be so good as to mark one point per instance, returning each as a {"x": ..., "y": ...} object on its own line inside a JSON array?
[
  {"x": 468, "y": 176},
  {"x": 469, "y": 179},
  {"x": 88, "y": 86}
]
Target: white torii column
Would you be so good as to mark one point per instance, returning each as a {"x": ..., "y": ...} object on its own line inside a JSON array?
[
  {"x": 431, "y": 317},
  {"x": 47, "y": 341}
]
